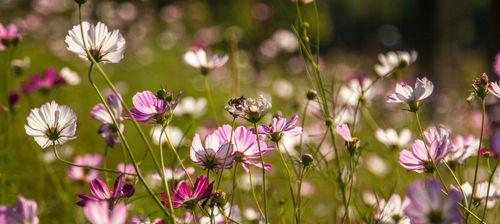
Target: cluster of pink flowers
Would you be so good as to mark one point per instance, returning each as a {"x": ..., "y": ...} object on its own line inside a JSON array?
[{"x": 10, "y": 35}]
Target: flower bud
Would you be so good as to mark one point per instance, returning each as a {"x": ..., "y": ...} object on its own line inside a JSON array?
[
  {"x": 80, "y": 2},
  {"x": 328, "y": 122},
  {"x": 480, "y": 85},
  {"x": 311, "y": 94},
  {"x": 306, "y": 159}
]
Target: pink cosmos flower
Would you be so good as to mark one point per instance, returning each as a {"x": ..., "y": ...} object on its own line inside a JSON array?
[
  {"x": 170, "y": 174},
  {"x": 428, "y": 205},
  {"x": 9, "y": 35},
  {"x": 26, "y": 211},
  {"x": 126, "y": 168},
  {"x": 462, "y": 147},
  {"x": 496, "y": 64},
  {"x": 213, "y": 153},
  {"x": 184, "y": 196},
  {"x": 404, "y": 93},
  {"x": 417, "y": 158},
  {"x": 151, "y": 107},
  {"x": 101, "y": 192},
  {"x": 494, "y": 88},
  {"x": 279, "y": 126},
  {"x": 99, "y": 213},
  {"x": 82, "y": 174},
  {"x": 108, "y": 128},
  {"x": 391, "y": 211},
  {"x": 437, "y": 133},
  {"x": 245, "y": 148},
  {"x": 344, "y": 132},
  {"x": 198, "y": 59},
  {"x": 49, "y": 79}
]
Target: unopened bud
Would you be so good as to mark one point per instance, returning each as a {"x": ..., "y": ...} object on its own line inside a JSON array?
[
  {"x": 306, "y": 159},
  {"x": 311, "y": 94}
]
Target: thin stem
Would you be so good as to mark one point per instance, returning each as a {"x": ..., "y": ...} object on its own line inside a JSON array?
[
  {"x": 483, "y": 217},
  {"x": 179, "y": 159},
  {"x": 106, "y": 163},
  {"x": 208, "y": 91},
  {"x": 483, "y": 107},
  {"x": 253, "y": 193},
  {"x": 233, "y": 190},
  {"x": 264, "y": 192},
  {"x": 290, "y": 182},
  {"x": 457, "y": 181},
  {"x": 164, "y": 175},
  {"x": 233, "y": 123}
]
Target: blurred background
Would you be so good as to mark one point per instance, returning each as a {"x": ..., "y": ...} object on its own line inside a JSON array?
[{"x": 455, "y": 41}]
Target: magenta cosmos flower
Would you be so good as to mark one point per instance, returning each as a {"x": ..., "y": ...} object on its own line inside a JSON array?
[
  {"x": 184, "y": 196},
  {"x": 26, "y": 212},
  {"x": 245, "y": 148},
  {"x": 279, "y": 126},
  {"x": 100, "y": 213},
  {"x": 49, "y": 79},
  {"x": 9, "y": 35},
  {"x": 417, "y": 158},
  {"x": 428, "y": 205},
  {"x": 151, "y": 107},
  {"x": 82, "y": 174},
  {"x": 108, "y": 129},
  {"x": 404, "y": 93},
  {"x": 101, "y": 192},
  {"x": 213, "y": 153}
]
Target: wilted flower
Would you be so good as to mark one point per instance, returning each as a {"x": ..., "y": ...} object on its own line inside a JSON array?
[
  {"x": 462, "y": 147},
  {"x": 480, "y": 86},
  {"x": 404, "y": 93},
  {"x": 420, "y": 160},
  {"x": 184, "y": 196},
  {"x": 249, "y": 109},
  {"x": 391, "y": 211},
  {"x": 99, "y": 213},
  {"x": 190, "y": 106},
  {"x": 80, "y": 173},
  {"x": 108, "y": 129},
  {"x": 494, "y": 88},
  {"x": 394, "y": 60},
  {"x": 236, "y": 106},
  {"x": 151, "y": 107},
  {"x": 351, "y": 143},
  {"x": 199, "y": 59},
  {"x": 26, "y": 212},
  {"x": 390, "y": 137},
  {"x": 101, "y": 192},
  {"x": 279, "y": 127},
  {"x": 9, "y": 35},
  {"x": 51, "y": 124},
  {"x": 103, "y": 46},
  {"x": 427, "y": 205},
  {"x": 70, "y": 76},
  {"x": 356, "y": 90},
  {"x": 213, "y": 153}
]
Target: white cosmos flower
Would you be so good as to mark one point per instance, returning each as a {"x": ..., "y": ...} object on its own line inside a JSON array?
[
  {"x": 105, "y": 46},
  {"x": 351, "y": 92},
  {"x": 70, "y": 76},
  {"x": 199, "y": 59},
  {"x": 191, "y": 107},
  {"x": 404, "y": 93},
  {"x": 391, "y": 211},
  {"x": 51, "y": 123},
  {"x": 483, "y": 194},
  {"x": 174, "y": 135},
  {"x": 462, "y": 147},
  {"x": 390, "y": 137},
  {"x": 392, "y": 60}
]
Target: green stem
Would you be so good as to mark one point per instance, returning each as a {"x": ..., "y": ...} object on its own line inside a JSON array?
[
  {"x": 264, "y": 192},
  {"x": 208, "y": 91},
  {"x": 483, "y": 107},
  {"x": 253, "y": 194},
  {"x": 179, "y": 160},
  {"x": 233, "y": 190},
  {"x": 227, "y": 153},
  {"x": 164, "y": 175},
  {"x": 290, "y": 182},
  {"x": 483, "y": 217}
]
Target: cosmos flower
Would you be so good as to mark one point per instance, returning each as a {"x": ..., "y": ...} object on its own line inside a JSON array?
[
  {"x": 70, "y": 76},
  {"x": 390, "y": 137},
  {"x": 104, "y": 46},
  {"x": 170, "y": 174},
  {"x": 26, "y": 212},
  {"x": 220, "y": 214},
  {"x": 212, "y": 154},
  {"x": 108, "y": 129},
  {"x": 427, "y": 205},
  {"x": 391, "y": 211},
  {"x": 49, "y": 79},
  {"x": 417, "y": 157},
  {"x": 357, "y": 90},
  {"x": 175, "y": 135},
  {"x": 351, "y": 143},
  {"x": 99, "y": 213},
  {"x": 198, "y": 59},
  {"x": 437, "y": 133},
  {"x": 126, "y": 168},
  {"x": 245, "y": 148},
  {"x": 462, "y": 147},
  {"x": 184, "y": 196},
  {"x": 279, "y": 127},
  {"x": 82, "y": 174},
  {"x": 494, "y": 88},
  {"x": 9, "y": 35},
  {"x": 404, "y": 93},
  {"x": 151, "y": 107},
  {"x": 136, "y": 219},
  {"x": 51, "y": 124},
  {"x": 481, "y": 193},
  {"x": 101, "y": 192},
  {"x": 190, "y": 106},
  {"x": 392, "y": 60}
]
